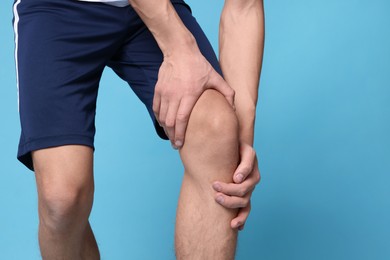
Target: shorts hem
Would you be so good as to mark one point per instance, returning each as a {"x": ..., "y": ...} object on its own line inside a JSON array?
[{"x": 24, "y": 151}]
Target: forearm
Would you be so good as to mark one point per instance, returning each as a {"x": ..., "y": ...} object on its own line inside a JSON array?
[
  {"x": 241, "y": 43},
  {"x": 166, "y": 26}
]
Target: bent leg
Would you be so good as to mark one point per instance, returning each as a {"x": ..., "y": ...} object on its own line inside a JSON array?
[
  {"x": 210, "y": 153},
  {"x": 64, "y": 177}
]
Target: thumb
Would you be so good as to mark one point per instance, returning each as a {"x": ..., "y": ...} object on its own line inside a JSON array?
[{"x": 218, "y": 83}]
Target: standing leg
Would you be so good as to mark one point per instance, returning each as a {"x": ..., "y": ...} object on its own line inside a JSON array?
[
  {"x": 210, "y": 153},
  {"x": 64, "y": 177}
]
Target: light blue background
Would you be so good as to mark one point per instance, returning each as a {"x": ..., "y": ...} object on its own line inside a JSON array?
[{"x": 322, "y": 136}]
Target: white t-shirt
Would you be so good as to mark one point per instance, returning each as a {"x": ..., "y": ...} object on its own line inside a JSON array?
[{"x": 119, "y": 3}]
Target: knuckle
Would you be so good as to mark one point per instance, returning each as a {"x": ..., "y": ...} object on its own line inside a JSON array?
[
  {"x": 242, "y": 192},
  {"x": 245, "y": 201},
  {"x": 227, "y": 203},
  {"x": 182, "y": 117},
  {"x": 157, "y": 89},
  {"x": 162, "y": 121},
  {"x": 179, "y": 135},
  {"x": 253, "y": 153},
  {"x": 169, "y": 123},
  {"x": 258, "y": 177},
  {"x": 169, "y": 93},
  {"x": 155, "y": 106},
  {"x": 246, "y": 169}
]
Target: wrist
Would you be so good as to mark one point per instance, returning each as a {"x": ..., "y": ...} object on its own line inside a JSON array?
[
  {"x": 246, "y": 118},
  {"x": 246, "y": 136},
  {"x": 175, "y": 42},
  {"x": 170, "y": 33}
]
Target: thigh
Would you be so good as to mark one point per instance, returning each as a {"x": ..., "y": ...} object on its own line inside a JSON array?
[
  {"x": 63, "y": 170},
  {"x": 139, "y": 61},
  {"x": 62, "y": 47}
]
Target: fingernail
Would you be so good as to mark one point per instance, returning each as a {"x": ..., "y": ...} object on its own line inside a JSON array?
[
  {"x": 217, "y": 187},
  {"x": 239, "y": 177},
  {"x": 178, "y": 143},
  {"x": 220, "y": 199}
]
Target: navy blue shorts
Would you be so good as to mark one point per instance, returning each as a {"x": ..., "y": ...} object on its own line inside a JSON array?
[{"x": 62, "y": 47}]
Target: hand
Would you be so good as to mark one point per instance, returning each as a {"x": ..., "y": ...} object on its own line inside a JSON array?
[
  {"x": 238, "y": 194},
  {"x": 182, "y": 78}
]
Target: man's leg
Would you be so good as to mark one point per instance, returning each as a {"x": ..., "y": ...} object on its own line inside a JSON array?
[
  {"x": 210, "y": 153},
  {"x": 64, "y": 177}
]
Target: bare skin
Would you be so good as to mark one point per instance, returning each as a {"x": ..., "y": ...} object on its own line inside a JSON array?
[
  {"x": 64, "y": 177},
  {"x": 65, "y": 187},
  {"x": 212, "y": 160},
  {"x": 241, "y": 62},
  {"x": 210, "y": 153},
  {"x": 185, "y": 74}
]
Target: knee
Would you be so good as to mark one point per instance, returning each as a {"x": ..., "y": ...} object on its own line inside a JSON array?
[
  {"x": 211, "y": 145},
  {"x": 65, "y": 185},
  {"x": 64, "y": 207},
  {"x": 212, "y": 121}
]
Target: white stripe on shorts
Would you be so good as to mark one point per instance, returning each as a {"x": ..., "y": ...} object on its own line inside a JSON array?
[{"x": 16, "y": 21}]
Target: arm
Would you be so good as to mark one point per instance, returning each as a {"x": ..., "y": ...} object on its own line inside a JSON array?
[
  {"x": 164, "y": 23},
  {"x": 184, "y": 73},
  {"x": 241, "y": 52}
]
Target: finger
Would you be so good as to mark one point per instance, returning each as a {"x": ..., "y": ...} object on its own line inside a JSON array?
[
  {"x": 256, "y": 173},
  {"x": 242, "y": 216},
  {"x": 247, "y": 162},
  {"x": 156, "y": 103},
  {"x": 218, "y": 83},
  {"x": 232, "y": 189},
  {"x": 182, "y": 117},
  {"x": 170, "y": 121},
  {"x": 163, "y": 112},
  {"x": 232, "y": 202},
  {"x": 241, "y": 227}
]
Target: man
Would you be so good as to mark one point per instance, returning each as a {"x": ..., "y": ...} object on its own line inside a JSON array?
[{"x": 62, "y": 47}]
